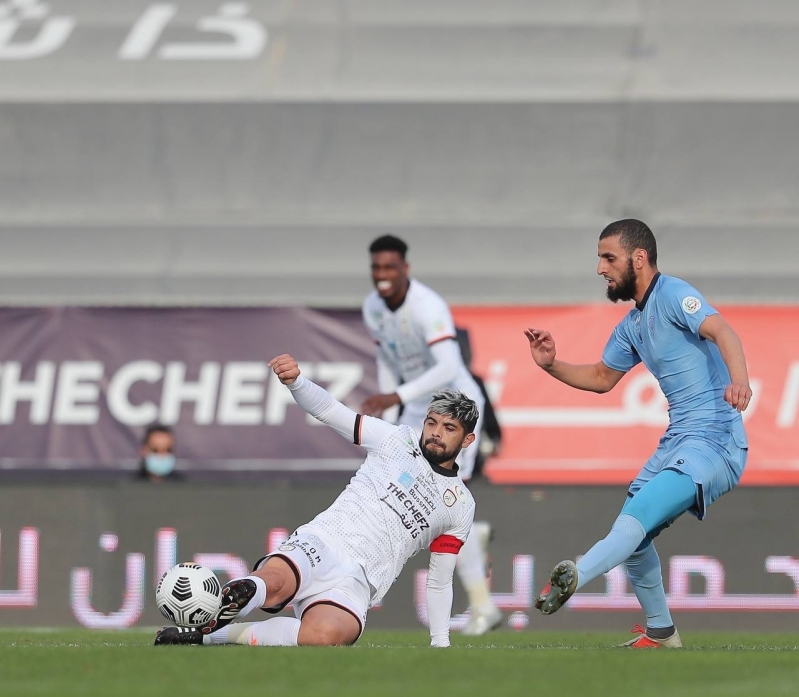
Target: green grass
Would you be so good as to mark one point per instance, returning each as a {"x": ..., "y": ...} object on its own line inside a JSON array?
[{"x": 386, "y": 664}]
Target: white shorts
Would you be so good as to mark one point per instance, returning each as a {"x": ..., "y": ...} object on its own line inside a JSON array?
[{"x": 324, "y": 576}]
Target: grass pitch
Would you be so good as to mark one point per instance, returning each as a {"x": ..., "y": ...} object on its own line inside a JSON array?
[{"x": 386, "y": 664}]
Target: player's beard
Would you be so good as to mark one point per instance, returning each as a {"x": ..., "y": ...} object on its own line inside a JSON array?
[
  {"x": 625, "y": 287},
  {"x": 437, "y": 456}
]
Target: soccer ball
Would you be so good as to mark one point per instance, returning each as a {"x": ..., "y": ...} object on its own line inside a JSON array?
[{"x": 188, "y": 595}]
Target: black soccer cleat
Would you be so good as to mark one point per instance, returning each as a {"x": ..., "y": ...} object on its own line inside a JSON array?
[
  {"x": 235, "y": 597},
  {"x": 179, "y": 635}
]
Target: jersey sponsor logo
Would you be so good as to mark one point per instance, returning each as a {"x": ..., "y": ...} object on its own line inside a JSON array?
[
  {"x": 691, "y": 305},
  {"x": 421, "y": 498},
  {"x": 412, "y": 517},
  {"x": 407, "y": 480},
  {"x": 450, "y": 498}
]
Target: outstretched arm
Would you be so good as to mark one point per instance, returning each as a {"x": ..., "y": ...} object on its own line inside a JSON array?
[
  {"x": 320, "y": 404},
  {"x": 444, "y": 370},
  {"x": 715, "y": 328},
  {"x": 596, "y": 377}
]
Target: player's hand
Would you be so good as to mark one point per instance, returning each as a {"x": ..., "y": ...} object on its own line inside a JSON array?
[
  {"x": 285, "y": 367},
  {"x": 378, "y": 403},
  {"x": 738, "y": 396},
  {"x": 542, "y": 347}
]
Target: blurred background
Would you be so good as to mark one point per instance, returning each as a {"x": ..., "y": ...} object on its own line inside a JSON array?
[{"x": 190, "y": 188}]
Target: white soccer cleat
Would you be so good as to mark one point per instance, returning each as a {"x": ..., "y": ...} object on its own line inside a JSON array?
[
  {"x": 644, "y": 641},
  {"x": 481, "y": 622}
]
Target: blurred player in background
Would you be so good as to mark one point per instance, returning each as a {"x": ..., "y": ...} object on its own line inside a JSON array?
[
  {"x": 491, "y": 433},
  {"x": 417, "y": 354},
  {"x": 407, "y": 496},
  {"x": 699, "y": 363}
]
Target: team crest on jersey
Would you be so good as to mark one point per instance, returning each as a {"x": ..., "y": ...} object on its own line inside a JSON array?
[
  {"x": 690, "y": 305},
  {"x": 450, "y": 497}
]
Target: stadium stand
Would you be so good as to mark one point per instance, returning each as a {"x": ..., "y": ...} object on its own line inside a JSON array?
[{"x": 138, "y": 172}]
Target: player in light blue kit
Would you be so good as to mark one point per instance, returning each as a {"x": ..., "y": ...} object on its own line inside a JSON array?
[{"x": 699, "y": 363}]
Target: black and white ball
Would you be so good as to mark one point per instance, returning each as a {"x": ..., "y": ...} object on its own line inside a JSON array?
[{"x": 188, "y": 594}]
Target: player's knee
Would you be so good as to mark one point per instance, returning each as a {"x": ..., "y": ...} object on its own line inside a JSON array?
[
  {"x": 326, "y": 634},
  {"x": 279, "y": 578}
]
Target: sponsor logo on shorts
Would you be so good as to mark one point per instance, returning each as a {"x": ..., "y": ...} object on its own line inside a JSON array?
[
  {"x": 450, "y": 497},
  {"x": 691, "y": 304}
]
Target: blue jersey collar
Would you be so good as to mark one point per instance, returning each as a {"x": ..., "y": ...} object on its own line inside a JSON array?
[{"x": 640, "y": 306}]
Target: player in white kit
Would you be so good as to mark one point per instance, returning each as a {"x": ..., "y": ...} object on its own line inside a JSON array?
[
  {"x": 417, "y": 354},
  {"x": 407, "y": 496}
]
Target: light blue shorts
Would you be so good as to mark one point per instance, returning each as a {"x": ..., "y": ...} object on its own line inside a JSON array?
[{"x": 715, "y": 462}]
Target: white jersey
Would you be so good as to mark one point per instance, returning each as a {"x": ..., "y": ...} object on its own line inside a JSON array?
[
  {"x": 405, "y": 337},
  {"x": 396, "y": 505}
]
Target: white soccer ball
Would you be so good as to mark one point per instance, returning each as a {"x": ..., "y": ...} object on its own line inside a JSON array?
[{"x": 188, "y": 594}]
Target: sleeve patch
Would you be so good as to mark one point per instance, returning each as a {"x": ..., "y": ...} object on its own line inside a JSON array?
[
  {"x": 446, "y": 544},
  {"x": 691, "y": 305}
]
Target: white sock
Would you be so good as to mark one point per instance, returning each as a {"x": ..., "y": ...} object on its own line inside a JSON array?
[
  {"x": 257, "y": 600},
  {"x": 472, "y": 574},
  {"x": 279, "y": 631},
  {"x": 217, "y": 637}
]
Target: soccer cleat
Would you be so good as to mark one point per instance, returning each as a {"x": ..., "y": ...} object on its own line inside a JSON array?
[
  {"x": 235, "y": 597},
  {"x": 644, "y": 641},
  {"x": 178, "y": 635},
  {"x": 561, "y": 587},
  {"x": 481, "y": 622}
]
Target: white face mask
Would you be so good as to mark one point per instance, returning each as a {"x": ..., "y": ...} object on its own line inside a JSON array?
[{"x": 159, "y": 465}]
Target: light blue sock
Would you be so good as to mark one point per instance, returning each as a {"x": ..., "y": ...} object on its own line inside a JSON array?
[
  {"x": 643, "y": 570},
  {"x": 623, "y": 539}
]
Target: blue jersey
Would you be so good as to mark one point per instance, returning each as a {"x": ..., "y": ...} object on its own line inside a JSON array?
[{"x": 664, "y": 334}]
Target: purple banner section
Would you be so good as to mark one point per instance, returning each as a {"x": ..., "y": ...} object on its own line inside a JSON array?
[
  {"x": 78, "y": 386},
  {"x": 92, "y": 555}
]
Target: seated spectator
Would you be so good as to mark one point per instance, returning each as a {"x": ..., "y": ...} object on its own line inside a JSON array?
[{"x": 158, "y": 455}]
